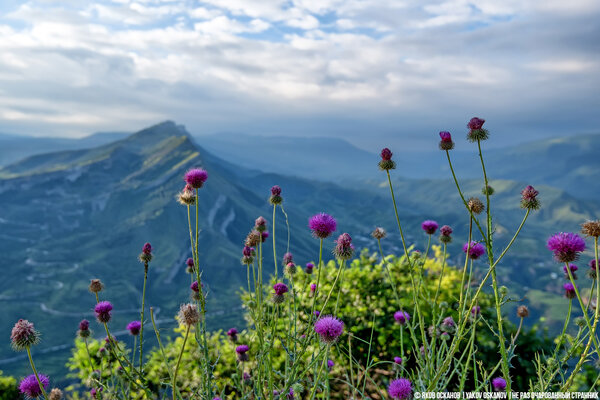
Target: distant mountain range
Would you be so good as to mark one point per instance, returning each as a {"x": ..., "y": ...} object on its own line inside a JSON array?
[{"x": 73, "y": 215}]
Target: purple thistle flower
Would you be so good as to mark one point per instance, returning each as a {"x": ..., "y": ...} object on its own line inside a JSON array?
[
  {"x": 23, "y": 335},
  {"x": 329, "y": 328},
  {"x": 134, "y": 327},
  {"x": 398, "y": 360},
  {"x": 280, "y": 288},
  {"x": 475, "y": 311},
  {"x": 313, "y": 287},
  {"x": 566, "y": 246},
  {"x": 386, "y": 162},
  {"x": 290, "y": 394},
  {"x": 95, "y": 392},
  {"x": 242, "y": 352},
  {"x": 260, "y": 224},
  {"x": 569, "y": 290},
  {"x": 476, "y": 131},
  {"x": 475, "y": 249},
  {"x": 386, "y": 154},
  {"x": 232, "y": 333},
  {"x": 264, "y": 236},
  {"x": 195, "y": 288},
  {"x": 449, "y": 321},
  {"x": 147, "y": 248},
  {"x": 475, "y": 123},
  {"x": 344, "y": 249},
  {"x": 593, "y": 265},
  {"x": 30, "y": 387},
  {"x": 84, "y": 325},
  {"x": 573, "y": 268},
  {"x": 102, "y": 311},
  {"x": 275, "y": 195},
  {"x": 275, "y": 191},
  {"x": 446, "y": 142},
  {"x": 190, "y": 263},
  {"x": 309, "y": 268},
  {"x": 196, "y": 177},
  {"x": 446, "y": 230},
  {"x": 316, "y": 313},
  {"x": 246, "y": 377},
  {"x": 322, "y": 225},
  {"x": 499, "y": 384},
  {"x": 330, "y": 364},
  {"x": 429, "y": 227},
  {"x": 529, "y": 198},
  {"x": 400, "y": 389},
  {"x": 288, "y": 258},
  {"x": 401, "y": 317},
  {"x": 247, "y": 251}
]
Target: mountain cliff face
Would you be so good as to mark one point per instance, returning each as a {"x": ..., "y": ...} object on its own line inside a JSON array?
[{"x": 71, "y": 216}]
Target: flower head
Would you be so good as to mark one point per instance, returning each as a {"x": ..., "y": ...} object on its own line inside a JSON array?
[
  {"x": 379, "y": 233},
  {"x": 446, "y": 142},
  {"x": 196, "y": 177},
  {"x": 279, "y": 290},
  {"x": 386, "y": 162},
  {"x": 397, "y": 360},
  {"x": 309, "y": 268},
  {"x": 475, "y": 205},
  {"x": 95, "y": 392},
  {"x": 260, "y": 224},
  {"x": 188, "y": 314},
  {"x": 429, "y": 226},
  {"x": 476, "y": 130},
  {"x": 329, "y": 328},
  {"x": 400, "y": 389},
  {"x": 569, "y": 290},
  {"x": 134, "y": 327},
  {"x": 499, "y": 384},
  {"x": 288, "y": 258},
  {"x": 187, "y": 197},
  {"x": 591, "y": 228},
  {"x": 264, "y": 236},
  {"x": 96, "y": 286},
  {"x": 322, "y": 225},
  {"x": 232, "y": 333},
  {"x": 195, "y": 287},
  {"x": 190, "y": 265},
  {"x": 146, "y": 255},
  {"x": 30, "y": 387},
  {"x": 344, "y": 249},
  {"x": 401, "y": 317},
  {"x": 84, "y": 328},
  {"x": 475, "y": 250},
  {"x": 242, "y": 352},
  {"x": 475, "y": 311},
  {"x": 102, "y": 311},
  {"x": 275, "y": 195},
  {"x": 24, "y": 335},
  {"x": 330, "y": 364},
  {"x": 445, "y": 234},
  {"x": 55, "y": 394},
  {"x": 289, "y": 269},
  {"x": 313, "y": 287},
  {"x": 566, "y": 246},
  {"x": 522, "y": 311},
  {"x": 529, "y": 198},
  {"x": 253, "y": 238}
]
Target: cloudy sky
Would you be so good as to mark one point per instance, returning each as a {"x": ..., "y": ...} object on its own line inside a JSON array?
[{"x": 372, "y": 71}]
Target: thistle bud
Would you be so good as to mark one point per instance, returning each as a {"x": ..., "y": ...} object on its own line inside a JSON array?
[
  {"x": 290, "y": 269},
  {"x": 591, "y": 228},
  {"x": 446, "y": 142},
  {"x": 96, "y": 286},
  {"x": 146, "y": 254},
  {"x": 523, "y": 311},
  {"x": 386, "y": 162},
  {"x": 188, "y": 314},
  {"x": 379, "y": 233},
  {"x": 275, "y": 195},
  {"x": 475, "y": 205},
  {"x": 24, "y": 335}
]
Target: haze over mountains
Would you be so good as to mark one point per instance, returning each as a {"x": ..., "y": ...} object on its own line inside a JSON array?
[{"x": 73, "y": 215}]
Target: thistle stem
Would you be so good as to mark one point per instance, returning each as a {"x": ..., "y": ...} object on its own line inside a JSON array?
[
  {"x": 187, "y": 332},
  {"x": 142, "y": 318},
  {"x": 35, "y": 373},
  {"x": 274, "y": 249}
]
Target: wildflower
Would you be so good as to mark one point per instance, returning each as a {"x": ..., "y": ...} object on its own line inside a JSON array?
[
  {"x": 24, "y": 335},
  {"x": 134, "y": 327},
  {"x": 379, "y": 233},
  {"x": 475, "y": 205},
  {"x": 102, "y": 311},
  {"x": 309, "y": 268},
  {"x": 96, "y": 286},
  {"x": 187, "y": 197},
  {"x": 591, "y": 228},
  {"x": 264, "y": 236},
  {"x": 288, "y": 258},
  {"x": 566, "y": 246},
  {"x": 330, "y": 364},
  {"x": 94, "y": 393},
  {"x": 475, "y": 249},
  {"x": 475, "y": 311},
  {"x": 196, "y": 177},
  {"x": 344, "y": 249},
  {"x": 572, "y": 268},
  {"x": 429, "y": 227},
  {"x": 476, "y": 132},
  {"x": 275, "y": 195},
  {"x": 246, "y": 377},
  {"x": 290, "y": 269},
  {"x": 499, "y": 384},
  {"x": 329, "y": 328},
  {"x": 322, "y": 225},
  {"x": 253, "y": 238},
  {"x": 84, "y": 329},
  {"x": 529, "y": 198},
  {"x": 280, "y": 289},
  {"x": 188, "y": 314},
  {"x": 290, "y": 394},
  {"x": 445, "y": 336},
  {"x": 398, "y": 360},
  {"x": 190, "y": 265},
  {"x": 401, "y": 317},
  {"x": 448, "y": 325},
  {"x": 195, "y": 288},
  {"x": 487, "y": 190},
  {"x": 260, "y": 224},
  {"x": 242, "y": 352},
  {"x": 313, "y": 287},
  {"x": 593, "y": 269},
  {"x": 386, "y": 162},
  {"x": 146, "y": 255},
  {"x": 522, "y": 311},
  {"x": 232, "y": 333},
  {"x": 316, "y": 313},
  {"x": 400, "y": 389},
  {"x": 445, "y": 232},
  {"x": 569, "y": 290},
  {"x": 30, "y": 387},
  {"x": 55, "y": 394},
  {"x": 446, "y": 142},
  {"x": 247, "y": 255}
]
